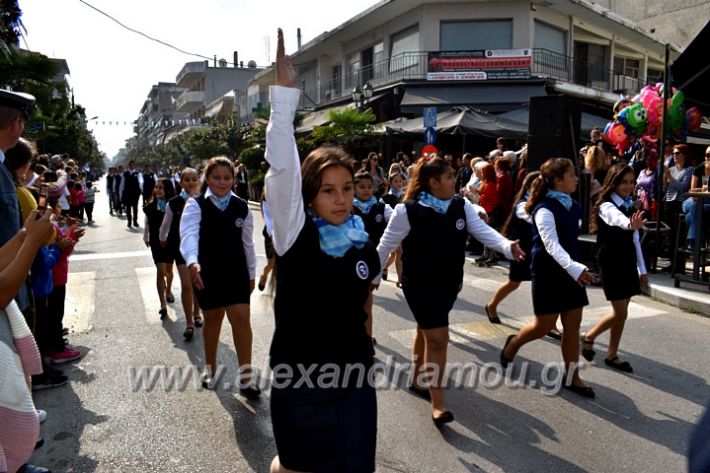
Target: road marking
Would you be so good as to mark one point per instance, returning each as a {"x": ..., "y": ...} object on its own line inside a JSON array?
[
  {"x": 79, "y": 302},
  {"x": 95, "y": 256},
  {"x": 151, "y": 303}
]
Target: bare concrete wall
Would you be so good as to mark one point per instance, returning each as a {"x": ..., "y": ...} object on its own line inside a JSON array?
[{"x": 674, "y": 21}]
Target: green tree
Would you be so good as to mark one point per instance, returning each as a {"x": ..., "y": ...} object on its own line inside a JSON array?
[{"x": 347, "y": 126}]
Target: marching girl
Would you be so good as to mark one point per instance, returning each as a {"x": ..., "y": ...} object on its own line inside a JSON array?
[
  {"x": 375, "y": 216},
  {"x": 170, "y": 239},
  {"x": 518, "y": 227},
  {"x": 216, "y": 240},
  {"x": 392, "y": 198},
  {"x": 433, "y": 225},
  {"x": 154, "y": 211},
  {"x": 558, "y": 280},
  {"x": 268, "y": 242},
  {"x": 621, "y": 262},
  {"x": 325, "y": 264}
]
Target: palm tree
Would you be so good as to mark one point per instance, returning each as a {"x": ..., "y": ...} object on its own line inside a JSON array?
[
  {"x": 10, "y": 25},
  {"x": 347, "y": 126}
]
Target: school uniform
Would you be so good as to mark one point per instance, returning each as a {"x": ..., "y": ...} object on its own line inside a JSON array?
[
  {"x": 618, "y": 250},
  {"x": 521, "y": 229},
  {"x": 109, "y": 191},
  {"x": 320, "y": 321},
  {"x": 117, "y": 185},
  {"x": 391, "y": 199},
  {"x": 170, "y": 228},
  {"x": 375, "y": 220},
  {"x": 209, "y": 236},
  {"x": 149, "y": 180},
  {"x": 433, "y": 254},
  {"x": 554, "y": 266},
  {"x": 151, "y": 233}
]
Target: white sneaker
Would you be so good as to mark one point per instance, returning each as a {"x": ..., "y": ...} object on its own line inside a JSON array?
[{"x": 42, "y": 415}]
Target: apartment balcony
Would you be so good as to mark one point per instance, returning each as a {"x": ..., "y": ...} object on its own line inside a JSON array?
[
  {"x": 413, "y": 66},
  {"x": 190, "y": 101},
  {"x": 190, "y": 73}
]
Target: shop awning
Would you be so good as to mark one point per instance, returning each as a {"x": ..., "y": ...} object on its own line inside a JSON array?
[
  {"x": 462, "y": 121},
  {"x": 589, "y": 121},
  {"x": 490, "y": 97}
]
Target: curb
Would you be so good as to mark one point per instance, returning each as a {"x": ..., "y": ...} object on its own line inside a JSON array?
[{"x": 697, "y": 304}]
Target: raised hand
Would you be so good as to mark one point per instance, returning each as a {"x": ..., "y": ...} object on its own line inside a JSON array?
[
  {"x": 285, "y": 73},
  {"x": 637, "y": 221}
]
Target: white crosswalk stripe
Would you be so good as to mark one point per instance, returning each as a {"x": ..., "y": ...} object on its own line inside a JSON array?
[
  {"x": 80, "y": 300},
  {"x": 149, "y": 293}
]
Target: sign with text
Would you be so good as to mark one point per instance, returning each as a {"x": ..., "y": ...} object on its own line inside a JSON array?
[
  {"x": 429, "y": 116},
  {"x": 491, "y": 64}
]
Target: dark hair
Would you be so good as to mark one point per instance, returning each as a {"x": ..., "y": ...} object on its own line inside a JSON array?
[
  {"x": 316, "y": 163},
  {"x": 502, "y": 163},
  {"x": 424, "y": 170},
  {"x": 168, "y": 188},
  {"x": 17, "y": 156},
  {"x": 614, "y": 176},
  {"x": 685, "y": 151},
  {"x": 527, "y": 184},
  {"x": 78, "y": 186},
  {"x": 218, "y": 161},
  {"x": 89, "y": 184},
  {"x": 360, "y": 175},
  {"x": 551, "y": 170}
]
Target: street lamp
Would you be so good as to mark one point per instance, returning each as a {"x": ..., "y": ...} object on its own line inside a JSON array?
[{"x": 361, "y": 96}]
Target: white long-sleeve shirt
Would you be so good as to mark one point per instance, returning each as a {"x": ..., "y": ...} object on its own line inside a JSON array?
[
  {"x": 545, "y": 223},
  {"x": 521, "y": 213},
  {"x": 399, "y": 227},
  {"x": 167, "y": 223},
  {"x": 283, "y": 180},
  {"x": 190, "y": 232},
  {"x": 612, "y": 216}
]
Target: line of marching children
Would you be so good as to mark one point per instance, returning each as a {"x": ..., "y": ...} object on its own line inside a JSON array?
[{"x": 331, "y": 240}]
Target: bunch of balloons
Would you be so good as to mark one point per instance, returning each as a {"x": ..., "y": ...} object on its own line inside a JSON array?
[{"x": 641, "y": 117}]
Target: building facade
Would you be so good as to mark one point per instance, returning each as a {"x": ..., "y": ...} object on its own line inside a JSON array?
[
  {"x": 159, "y": 113},
  {"x": 489, "y": 55}
]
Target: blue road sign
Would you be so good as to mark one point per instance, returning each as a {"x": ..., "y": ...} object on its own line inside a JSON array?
[
  {"x": 430, "y": 136},
  {"x": 429, "y": 115}
]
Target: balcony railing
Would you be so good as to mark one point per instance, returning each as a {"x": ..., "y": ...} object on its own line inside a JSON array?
[
  {"x": 189, "y": 101},
  {"x": 413, "y": 66},
  {"x": 558, "y": 66}
]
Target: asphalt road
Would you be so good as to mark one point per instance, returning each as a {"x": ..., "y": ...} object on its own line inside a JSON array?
[{"x": 104, "y": 421}]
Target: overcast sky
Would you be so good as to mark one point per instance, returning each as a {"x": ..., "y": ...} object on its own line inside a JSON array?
[{"x": 113, "y": 69}]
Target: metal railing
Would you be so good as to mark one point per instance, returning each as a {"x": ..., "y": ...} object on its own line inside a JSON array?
[
  {"x": 558, "y": 66},
  {"x": 414, "y": 65}
]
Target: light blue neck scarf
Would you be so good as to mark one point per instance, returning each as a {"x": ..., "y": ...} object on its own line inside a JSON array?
[
  {"x": 336, "y": 240},
  {"x": 396, "y": 193},
  {"x": 364, "y": 206},
  {"x": 162, "y": 203},
  {"x": 184, "y": 195},
  {"x": 627, "y": 203},
  {"x": 441, "y": 206},
  {"x": 223, "y": 202},
  {"x": 561, "y": 197}
]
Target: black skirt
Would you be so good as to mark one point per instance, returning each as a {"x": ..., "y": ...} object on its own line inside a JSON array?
[
  {"x": 220, "y": 291},
  {"x": 520, "y": 270},
  {"x": 160, "y": 254},
  {"x": 430, "y": 306},
  {"x": 555, "y": 293},
  {"x": 325, "y": 430},
  {"x": 620, "y": 280}
]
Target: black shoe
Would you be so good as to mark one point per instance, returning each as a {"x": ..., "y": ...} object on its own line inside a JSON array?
[
  {"x": 128, "y": 224},
  {"x": 619, "y": 365},
  {"x": 444, "y": 418},
  {"x": 588, "y": 354},
  {"x": 208, "y": 382},
  {"x": 556, "y": 334},
  {"x": 584, "y": 391},
  {"x": 48, "y": 381},
  {"x": 495, "y": 319},
  {"x": 40, "y": 443},
  {"x": 482, "y": 260},
  {"x": 188, "y": 333},
  {"x": 170, "y": 298},
  {"x": 250, "y": 392},
  {"x": 421, "y": 392},
  {"x": 27, "y": 468},
  {"x": 503, "y": 360},
  {"x": 163, "y": 313},
  {"x": 135, "y": 223},
  {"x": 65, "y": 331}
]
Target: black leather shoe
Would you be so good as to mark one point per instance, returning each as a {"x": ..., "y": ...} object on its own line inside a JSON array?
[
  {"x": 503, "y": 360},
  {"x": 40, "y": 443},
  {"x": 444, "y": 418},
  {"x": 584, "y": 391},
  {"x": 27, "y": 468},
  {"x": 251, "y": 392}
]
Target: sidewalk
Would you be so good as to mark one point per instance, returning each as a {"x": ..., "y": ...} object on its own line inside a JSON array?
[{"x": 691, "y": 297}]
